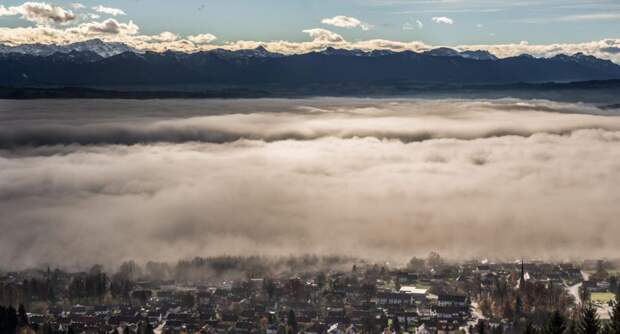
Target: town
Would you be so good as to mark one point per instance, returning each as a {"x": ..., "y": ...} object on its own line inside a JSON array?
[{"x": 315, "y": 295}]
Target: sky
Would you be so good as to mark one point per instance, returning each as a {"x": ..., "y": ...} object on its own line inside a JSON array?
[
  {"x": 473, "y": 21},
  {"x": 296, "y": 25},
  {"x": 97, "y": 181}
]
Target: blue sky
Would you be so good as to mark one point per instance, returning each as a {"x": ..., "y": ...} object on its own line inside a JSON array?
[{"x": 474, "y": 21}]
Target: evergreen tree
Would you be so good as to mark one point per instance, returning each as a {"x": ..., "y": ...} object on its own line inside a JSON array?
[
  {"x": 292, "y": 322},
  {"x": 22, "y": 316},
  {"x": 614, "y": 322},
  {"x": 395, "y": 325},
  {"x": 149, "y": 329},
  {"x": 519, "y": 307},
  {"x": 572, "y": 327},
  {"x": 141, "y": 327},
  {"x": 589, "y": 322},
  {"x": 9, "y": 320},
  {"x": 584, "y": 295},
  {"x": 480, "y": 327},
  {"x": 530, "y": 329},
  {"x": 47, "y": 328},
  {"x": 2, "y": 319},
  {"x": 368, "y": 324},
  {"x": 556, "y": 324},
  {"x": 383, "y": 321}
]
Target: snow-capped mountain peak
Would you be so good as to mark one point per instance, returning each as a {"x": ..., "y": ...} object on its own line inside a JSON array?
[
  {"x": 103, "y": 49},
  {"x": 447, "y": 52},
  {"x": 478, "y": 55}
]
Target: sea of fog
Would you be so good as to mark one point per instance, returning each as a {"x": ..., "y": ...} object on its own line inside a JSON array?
[{"x": 103, "y": 181}]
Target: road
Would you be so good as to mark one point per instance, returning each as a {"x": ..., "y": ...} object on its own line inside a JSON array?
[{"x": 574, "y": 289}]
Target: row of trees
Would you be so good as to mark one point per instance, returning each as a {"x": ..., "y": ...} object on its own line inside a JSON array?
[
  {"x": 586, "y": 322},
  {"x": 11, "y": 319},
  {"x": 533, "y": 301}
]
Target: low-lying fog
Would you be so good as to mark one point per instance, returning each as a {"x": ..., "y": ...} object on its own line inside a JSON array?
[{"x": 85, "y": 182}]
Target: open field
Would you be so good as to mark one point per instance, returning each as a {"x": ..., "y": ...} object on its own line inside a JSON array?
[
  {"x": 603, "y": 297},
  {"x": 611, "y": 272}
]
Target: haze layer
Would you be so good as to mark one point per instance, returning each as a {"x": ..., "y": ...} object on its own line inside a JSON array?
[{"x": 85, "y": 182}]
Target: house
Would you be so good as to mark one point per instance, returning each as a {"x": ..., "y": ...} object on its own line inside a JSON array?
[
  {"x": 451, "y": 300},
  {"x": 418, "y": 294},
  {"x": 394, "y": 299},
  {"x": 316, "y": 328}
]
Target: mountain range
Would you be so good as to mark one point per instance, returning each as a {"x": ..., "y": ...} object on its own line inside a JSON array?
[{"x": 98, "y": 63}]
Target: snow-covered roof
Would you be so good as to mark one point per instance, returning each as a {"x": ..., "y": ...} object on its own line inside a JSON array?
[{"x": 413, "y": 290}]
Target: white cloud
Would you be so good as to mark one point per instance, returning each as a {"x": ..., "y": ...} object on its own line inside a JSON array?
[
  {"x": 107, "y": 27},
  {"x": 443, "y": 19},
  {"x": 202, "y": 38},
  {"x": 346, "y": 22},
  {"x": 77, "y": 5},
  {"x": 165, "y": 36},
  {"x": 39, "y": 12},
  {"x": 324, "y": 35},
  {"x": 413, "y": 25},
  {"x": 109, "y": 10}
]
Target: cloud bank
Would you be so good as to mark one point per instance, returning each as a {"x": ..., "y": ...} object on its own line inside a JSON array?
[
  {"x": 406, "y": 122},
  {"x": 371, "y": 178}
]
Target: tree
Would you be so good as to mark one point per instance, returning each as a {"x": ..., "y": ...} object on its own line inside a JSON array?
[
  {"x": 556, "y": 324},
  {"x": 572, "y": 327},
  {"x": 397, "y": 285},
  {"x": 383, "y": 321},
  {"x": 518, "y": 306},
  {"x": 22, "y": 316},
  {"x": 46, "y": 329},
  {"x": 292, "y": 322},
  {"x": 530, "y": 329},
  {"x": 395, "y": 325},
  {"x": 149, "y": 329},
  {"x": 589, "y": 322},
  {"x": 614, "y": 322},
  {"x": 368, "y": 324},
  {"x": 416, "y": 264},
  {"x": 270, "y": 287},
  {"x": 145, "y": 328},
  {"x": 584, "y": 295},
  {"x": 480, "y": 327},
  {"x": 10, "y": 320},
  {"x": 434, "y": 260},
  {"x": 613, "y": 284}
]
